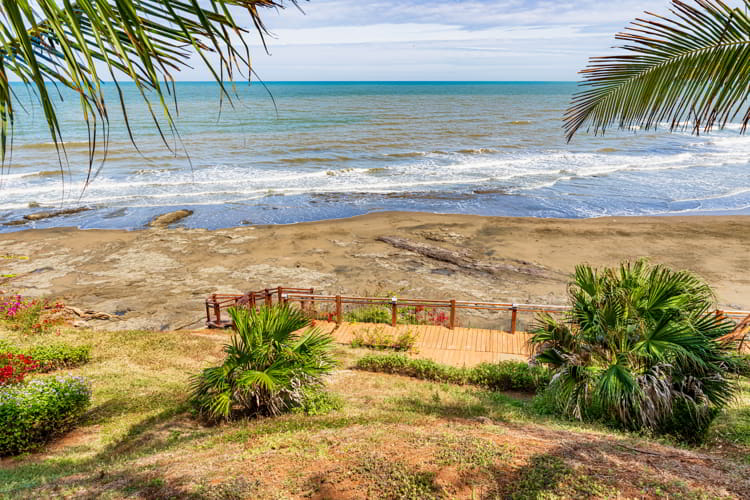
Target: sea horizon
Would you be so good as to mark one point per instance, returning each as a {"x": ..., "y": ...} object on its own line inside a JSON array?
[{"x": 323, "y": 150}]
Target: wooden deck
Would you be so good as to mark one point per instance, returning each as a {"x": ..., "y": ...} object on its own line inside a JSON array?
[{"x": 457, "y": 347}]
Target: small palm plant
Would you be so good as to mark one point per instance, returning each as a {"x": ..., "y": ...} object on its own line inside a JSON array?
[
  {"x": 267, "y": 367},
  {"x": 639, "y": 350}
]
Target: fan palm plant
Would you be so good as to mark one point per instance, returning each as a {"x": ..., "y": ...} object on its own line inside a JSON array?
[
  {"x": 691, "y": 70},
  {"x": 639, "y": 349},
  {"x": 73, "y": 43},
  {"x": 267, "y": 367}
]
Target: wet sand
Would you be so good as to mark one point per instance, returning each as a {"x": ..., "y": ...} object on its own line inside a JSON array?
[{"x": 158, "y": 278}]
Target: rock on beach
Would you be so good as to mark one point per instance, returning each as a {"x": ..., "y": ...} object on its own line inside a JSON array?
[{"x": 165, "y": 220}]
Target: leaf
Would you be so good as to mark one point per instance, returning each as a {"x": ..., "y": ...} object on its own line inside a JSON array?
[
  {"x": 67, "y": 42},
  {"x": 690, "y": 71}
]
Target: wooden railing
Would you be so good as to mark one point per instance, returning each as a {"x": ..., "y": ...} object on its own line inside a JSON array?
[
  {"x": 217, "y": 301},
  {"x": 309, "y": 301}
]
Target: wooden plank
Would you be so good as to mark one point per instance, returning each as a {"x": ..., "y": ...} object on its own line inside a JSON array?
[
  {"x": 446, "y": 339},
  {"x": 432, "y": 337},
  {"x": 463, "y": 336},
  {"x": 453, "y": 340},
  {"x": 437, "y": 333},
  {"x": 518, "y": 344}
]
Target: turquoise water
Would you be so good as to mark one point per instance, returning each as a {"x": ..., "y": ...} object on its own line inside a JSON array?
[{"x": 328, "y": 150}]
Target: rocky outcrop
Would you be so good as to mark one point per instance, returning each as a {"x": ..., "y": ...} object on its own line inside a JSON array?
[
  {"x": 46, "y": 215},
  {"x": 165, "y": 220}
]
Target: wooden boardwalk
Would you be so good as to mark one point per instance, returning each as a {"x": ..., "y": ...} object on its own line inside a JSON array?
[{"x": 457, "y": 347}]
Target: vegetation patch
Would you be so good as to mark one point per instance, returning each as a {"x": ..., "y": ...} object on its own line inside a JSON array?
[
  {"x": 139, "y": 440},
  {"x": 316, "y": 401},
  {"x": 50, "y": 357},
  {"x": 267, "y": 368},
  {"x": 30, "y": 315},
  {"x": 470, "y": 452},
  {"x": 639, "y": 350},
  {"x": 377, "y": 338},
  {"x": 405, "y": 315},
  {"x": 501, "y": 376},
  {"x": 549, "y": 477},
  {"x": 34, "y": 412},
  {"x": 391, "y": 479}
]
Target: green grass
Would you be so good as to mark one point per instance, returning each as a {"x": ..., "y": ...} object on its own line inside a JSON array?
[
  {"x": 377, "y": 434},
  {"x": 733, "y": 426}
]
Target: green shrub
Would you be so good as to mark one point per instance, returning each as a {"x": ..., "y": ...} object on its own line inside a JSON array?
[
  {"x": 51, "y": 357},
  {"x": 684, "y": 425},
  {"x": 638, "y": 350},
  {"x": 502, "y": 376},
  {"x": 742, "y": 365},
  {"x": 417, "y": 368},
  {"x": 373, "y": 314},
  {"x": 406, "y": 315},
  {"x": 318, "y": 402},
  {"x": 33, "y": 413},
  {"x": 510, "y": 375},
  {"x": 378, "y": 338},
  {"x": 267, "y": 367}
]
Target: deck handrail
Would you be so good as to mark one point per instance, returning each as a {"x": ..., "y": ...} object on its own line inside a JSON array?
[{"x": 308, "y": 298}]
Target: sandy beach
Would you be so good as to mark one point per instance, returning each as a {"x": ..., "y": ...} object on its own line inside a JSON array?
[{"x": 158, "y": 278}]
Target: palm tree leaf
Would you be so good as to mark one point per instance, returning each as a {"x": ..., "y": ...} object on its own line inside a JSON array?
[
  {"x": 145, "y": 41},
  {"x": 266, "y": 379},
  {"x": 689, "y": 71}
]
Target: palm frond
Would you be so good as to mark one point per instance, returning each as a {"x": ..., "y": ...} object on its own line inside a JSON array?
[
  {"x": 71, "y": 42},
  {"x": 690, "y": 71}
]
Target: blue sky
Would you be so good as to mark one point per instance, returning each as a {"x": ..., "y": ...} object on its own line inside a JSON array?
[{"x": 439, "y": 39}]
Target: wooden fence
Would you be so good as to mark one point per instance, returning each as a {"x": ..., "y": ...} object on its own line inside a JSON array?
[{"x": 309, "y": 302}]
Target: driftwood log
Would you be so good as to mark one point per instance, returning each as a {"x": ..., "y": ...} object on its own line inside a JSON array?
[
  {"x": 88, "y": 314},
  {"x": 463, "y": 260}
]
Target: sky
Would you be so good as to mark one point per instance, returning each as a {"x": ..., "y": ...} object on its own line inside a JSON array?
[{"x": 493, "y": 40}]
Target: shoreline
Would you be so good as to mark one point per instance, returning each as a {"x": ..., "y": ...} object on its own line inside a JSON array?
[
  {"x": 19, "y": 225},
  {"x": 158, "y": 278}
]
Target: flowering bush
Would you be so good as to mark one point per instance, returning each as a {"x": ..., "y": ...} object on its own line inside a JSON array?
[
  {"x": 30, "y": 315},
  {"x": 14, "y": 367},
  {"x": 49, "y": 357},
  {"x": 34, "y": 412}
]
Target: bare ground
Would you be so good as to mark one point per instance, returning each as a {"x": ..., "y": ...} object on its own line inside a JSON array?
[{"x": 157, "y": 278}]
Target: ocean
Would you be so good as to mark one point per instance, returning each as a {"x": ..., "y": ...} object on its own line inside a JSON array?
[{"x": 313, "y": 151}]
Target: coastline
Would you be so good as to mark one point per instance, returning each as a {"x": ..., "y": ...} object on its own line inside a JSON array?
[{"x": 158, "y": 278}]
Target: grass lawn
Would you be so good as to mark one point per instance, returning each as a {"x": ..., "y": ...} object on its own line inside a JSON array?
[{"x": 394, "y": 437}]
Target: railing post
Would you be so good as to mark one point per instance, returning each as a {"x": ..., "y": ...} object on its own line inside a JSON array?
[
  {"x": 269, "y": 300},
  {"x": 513, "y": 318},
  {"x": 394, "y": 311},
  {"x": 453, "y": 314},
  {"x": 280, "y": 292},
  {"x": 338, "y": 309},
  {"x": 208, "y": 314},
  {"x": 312, "y": 302},
  {"x": 217, "y": 311}
]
